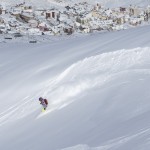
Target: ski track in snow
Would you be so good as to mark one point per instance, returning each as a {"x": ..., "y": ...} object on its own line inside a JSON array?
[
  {"x": 18, "y": 110},
  {"x": 113, "y": 144},
  {"x": 91, "y": 72}
]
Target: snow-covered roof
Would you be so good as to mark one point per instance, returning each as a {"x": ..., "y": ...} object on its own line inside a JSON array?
[
  {"x": 108, "y": 12},
  {"x": 28, "y": 11},
  {"x": 32, "y": 21},
  {"x": 27, "y": 15},
  {"x": 42, "y": 24},
  {"x": 63, "y": 17},
  {"x": 52, "y": 10}
]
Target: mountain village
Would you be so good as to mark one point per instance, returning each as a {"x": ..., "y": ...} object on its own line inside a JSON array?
[{"x": 23, "y": 19}]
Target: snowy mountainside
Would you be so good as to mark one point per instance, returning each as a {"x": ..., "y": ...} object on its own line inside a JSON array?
[
  {"x": 108, "y": 3},
  {"x": 97, "y": 87},
  {"x": 115, "y": 3},
  {"x": 36, "y": 3}
]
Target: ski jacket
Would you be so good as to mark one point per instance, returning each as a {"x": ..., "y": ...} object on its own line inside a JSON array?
[{"x": 44, "y": 102}]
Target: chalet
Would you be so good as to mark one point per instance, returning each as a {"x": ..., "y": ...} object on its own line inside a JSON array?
[
  {"x": 2, "y": 10},
  {"x": 26, "y": 17},
  {"x": 34, "y": 31},
  {"x": 20, "y": 4},
  {"x": 135, "y": 21},
  {"x": 103, "y": 17},
  {"x": 107, "y": 13},
  {"x": 135, "y": 11},
  {"x": 12, "y": 24},
  {"x": 122, "y": 9},
  {"x": 55, "y": 30},
  {"x": 68, "y": 8},
  {"x": 77, "y": 25},
  {"x": 23, "y": 29},
  {"x": 30, "y": 11},
  {"x": 80, "y": 9},
  {"x": 1, "y": 20},
  {"x": 68, "y": 29},
  {"x": 43, "y": 27},
  {"x": 95, "y": 14},
  {"x": 40, "y": 12},
  {"x": 97, "y": 7},
  {"x": 15, "y": 10},
  {"x": 78, "y": 19},
  {"x": 141, "y": 17},
  {"x": 27, "y": 7},
  {"x": 96, "y": 27},
  {"x": 33, "y": 23},
  {"x": 84, "y": 19},
  {"x": 85, "y": 29},
  {"x": 63, "y": 17},
  {"x": 126, "y": 18},
  {"x": 117, "y": 27},
  {"x": 3, "y": 28},
  {"x": 148, "y": 9},
  {"x": 120, "y": 20},
  {"x": 99, "y": 15},
  {"x": 52, "y": 14},
  {"x": 147, "y": 15}
]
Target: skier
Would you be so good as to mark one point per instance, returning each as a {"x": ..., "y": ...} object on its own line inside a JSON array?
[{"x": 43, "y": 102}]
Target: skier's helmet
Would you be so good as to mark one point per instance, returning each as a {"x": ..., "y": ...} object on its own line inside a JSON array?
[{"x": 40, "y": 98}]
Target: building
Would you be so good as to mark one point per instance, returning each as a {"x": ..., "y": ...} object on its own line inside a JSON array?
[
  {"x": 33, "y": 23},
  {"x": 52, "y": 14},
  {"x": 2, "y": 10},
  {"x": 135, "y": 11}
]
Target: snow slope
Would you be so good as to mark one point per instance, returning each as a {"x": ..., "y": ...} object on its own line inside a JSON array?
[{"x": 97, "y": 87}]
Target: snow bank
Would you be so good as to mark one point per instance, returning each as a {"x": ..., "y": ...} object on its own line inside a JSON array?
[{"x": 93, "y": 72}]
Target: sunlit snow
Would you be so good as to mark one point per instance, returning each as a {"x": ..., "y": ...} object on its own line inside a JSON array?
[{"x": 97, "y": 86}]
